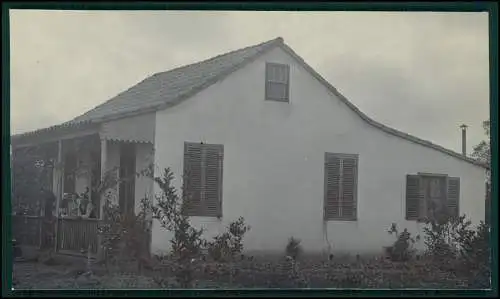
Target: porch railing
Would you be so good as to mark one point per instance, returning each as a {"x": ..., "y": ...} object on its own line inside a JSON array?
[{"x": 76, "y": 234}]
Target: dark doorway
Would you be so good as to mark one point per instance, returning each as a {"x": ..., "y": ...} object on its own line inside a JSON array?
[{"x": 127, "y": 178}]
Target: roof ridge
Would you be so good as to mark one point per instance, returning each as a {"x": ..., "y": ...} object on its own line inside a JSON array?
[
  {"x": 379, "y": 125},
  {"x": 247, "y": 58},
  {"x": 279, "y": 39},
  {"x": 266, "y": 43}
]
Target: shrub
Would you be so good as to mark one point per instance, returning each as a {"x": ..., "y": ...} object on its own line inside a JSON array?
[
  {"x": 469, "y": 248},
  {"x": 169, "y": 211},
  {"x": 125, "y": 236},
  {"x": 403, "y": 247},
  {"x": 187, "y": 241},
  {"x": 446, "y": 238},
  {"x": 475, "y": 248},
  {"x": 229, "y": 244},
  {"x": 293, "y": 248}
]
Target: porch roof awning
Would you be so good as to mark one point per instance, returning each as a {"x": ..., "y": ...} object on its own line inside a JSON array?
[
  {"x": 65, "y": 130},
  {"x": 138, "y": 128}
]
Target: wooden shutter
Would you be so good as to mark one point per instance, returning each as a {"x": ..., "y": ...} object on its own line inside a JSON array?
[
  {"x": 348, "y": 188},
  {"x": 453, "y": 196},
  {"x": 413, "y": 197},
  {"x": 192, "y": 178},
  {"x": 212, "y": 201},
  {"x": 332, "y": 187}
]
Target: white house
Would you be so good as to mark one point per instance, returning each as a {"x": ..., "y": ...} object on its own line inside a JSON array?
[{"x": 267, "y": 138}]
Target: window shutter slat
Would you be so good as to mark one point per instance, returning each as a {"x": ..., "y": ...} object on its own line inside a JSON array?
[
  {"x": 213, "y": 180},
  {"x": 192, "y": 178},
  {"x": 348, "y": 199},
  {"x": 413, "y": 197},
  {"x": 332, "y": 187},
  {"x": 453, "y": 198},
  {"x": 203, "y": 179}
]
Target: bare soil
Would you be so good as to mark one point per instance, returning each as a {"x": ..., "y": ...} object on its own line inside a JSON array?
[{"x": 373, "y": 273}]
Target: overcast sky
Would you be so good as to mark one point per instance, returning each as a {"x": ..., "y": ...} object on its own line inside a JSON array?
[{"x": 422, "y": 73}]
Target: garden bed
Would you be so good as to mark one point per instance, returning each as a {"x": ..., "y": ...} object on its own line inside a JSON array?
[{"x": 245, "y": 274}]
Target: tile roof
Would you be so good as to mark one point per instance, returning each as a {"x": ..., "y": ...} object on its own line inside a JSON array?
[{"x": 168, "y": 88}]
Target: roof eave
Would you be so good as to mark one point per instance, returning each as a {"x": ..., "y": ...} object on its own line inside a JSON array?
[
  {"x": 271, "y": 44},
  {"x": 374, "y": 123},
  {"x": 33, "y": 136}
]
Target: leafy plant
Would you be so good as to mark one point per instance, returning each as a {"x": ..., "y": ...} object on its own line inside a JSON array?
[
  {"x": 468, "y": 248},
  {"x": 187, "y": 241},
  {"x": 124, "y": 236},
  {"x": 293, "y": 251},
  {"x": 293, "y": 248},
  {"x": 31, "y": 170},
  {"x": 475, "y": 248},
  {"x": 229, "y": 244},
  {"x": 169, "y": 211},
  {"x": 482, "y": 151},
  {"x": 403, "y": 248},
  {"x": 445, "y": 238}
]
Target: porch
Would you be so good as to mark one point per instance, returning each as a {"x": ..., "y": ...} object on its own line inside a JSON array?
[{"x": 62, "y": 181}]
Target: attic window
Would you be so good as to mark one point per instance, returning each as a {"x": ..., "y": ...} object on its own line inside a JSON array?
[{"x": 277, "y": 82}]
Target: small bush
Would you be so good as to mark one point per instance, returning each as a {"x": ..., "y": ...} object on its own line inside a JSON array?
[
  {"x": 475, "y": 248},
  {"x": 293, "y": 248},
  {"x": 125, "y": 236},
  {"x": 454, "y": 241},
  {"x": 444, "y": 238},
  {"x": 187, "y": 241},
  {"x": 403, "y": 247},
  {"x": 229, "y": 244}
]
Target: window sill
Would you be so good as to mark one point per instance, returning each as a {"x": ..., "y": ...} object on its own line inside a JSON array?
[
  {"x": 342, "y": 219},
  {"x": 277, "y": 100},
  {"x": 203, "y": 216}
]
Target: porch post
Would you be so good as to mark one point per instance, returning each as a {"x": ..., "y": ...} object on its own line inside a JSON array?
[
  {"x": 59, "y": 191},
  {"x": 104, "y": 156}
]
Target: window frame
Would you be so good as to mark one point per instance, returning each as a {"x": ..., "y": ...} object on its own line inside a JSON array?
[
  {"x": 340, "y": 216},
  {"x": 203, "y": 209},
  {"x": 429, "y": 176},
  {"x": 423, "y": 210},
  {"x": 269, "y": 81}
]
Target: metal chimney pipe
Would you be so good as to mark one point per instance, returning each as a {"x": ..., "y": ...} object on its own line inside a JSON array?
[{"x": 464, "y": 139}]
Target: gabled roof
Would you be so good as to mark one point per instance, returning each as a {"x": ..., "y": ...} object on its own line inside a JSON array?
[
  {"x": 165, "y": 89},
  {"x": 168, "y": 87}
]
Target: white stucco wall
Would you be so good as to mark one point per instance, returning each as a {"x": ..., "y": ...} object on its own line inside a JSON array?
[
  {"x": 136, "y": 129},
  {"x": 274, "y": 161}
]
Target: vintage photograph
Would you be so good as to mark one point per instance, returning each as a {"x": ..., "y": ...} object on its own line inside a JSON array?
[{"x": 249, "y": 149}]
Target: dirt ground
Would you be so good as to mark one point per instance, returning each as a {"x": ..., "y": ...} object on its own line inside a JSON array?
[{"x": 361, "y": 274}]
